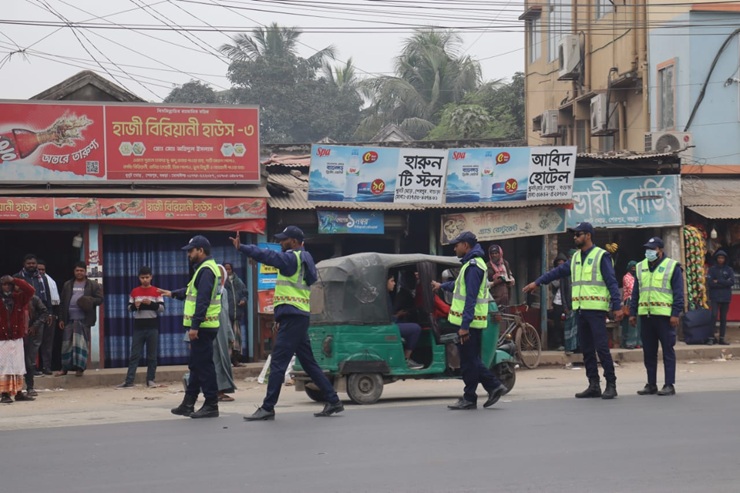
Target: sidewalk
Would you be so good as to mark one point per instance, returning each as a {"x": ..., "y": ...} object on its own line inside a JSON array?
[{"x": 110, "y": 377}]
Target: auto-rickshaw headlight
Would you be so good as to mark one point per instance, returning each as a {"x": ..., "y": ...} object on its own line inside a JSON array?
[{"x": 326, "y": 346}]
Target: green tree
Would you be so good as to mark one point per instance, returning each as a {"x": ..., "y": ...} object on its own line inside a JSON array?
[
  {"x": 296, "y": 104},
  {"x": 193, "y": 92},
  {"x": 430, "y": 72}
]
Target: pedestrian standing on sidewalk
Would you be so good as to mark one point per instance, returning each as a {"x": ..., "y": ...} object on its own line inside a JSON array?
[
  {"x": 146, "y": 304},
  {"x": 201, "y": 320},
  {"x": 296, "y": 273},
  {"x": 630, "y": 334},
  {"x": 49, "y": 329},
  {"x": 657, "y": 299},
  {"x": 222, "y": 345},
  {"x": 720, "y": 280},
  {"x": 469, "y": 313},
  {"x": 237, "y": 293},
  {"x": 594, "y": 289},
  {"x": 36, "y": 278},
  {"x": 78, "y": 313},
  {"x": 16, "y": 294},
  {"x": 37, "y": 318}
]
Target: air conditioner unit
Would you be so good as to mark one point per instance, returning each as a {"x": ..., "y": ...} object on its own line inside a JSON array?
[
  {"x": 569, "y": 57},
  {"x": 600, "y": 114},
  {"x": 549, "y": 124},
  {"x": 669, "y": 141}
]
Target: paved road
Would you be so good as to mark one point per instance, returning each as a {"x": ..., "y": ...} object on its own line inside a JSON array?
[{"x": 633, "y": 444}]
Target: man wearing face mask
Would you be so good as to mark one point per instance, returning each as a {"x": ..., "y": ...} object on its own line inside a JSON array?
[
  {"x": 594, "y": 289},
  {"x": 657, "y": 298}
]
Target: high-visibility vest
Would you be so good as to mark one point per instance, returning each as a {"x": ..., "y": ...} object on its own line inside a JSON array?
[
  {"x": 191, "y": 294},
  {"x": 589, "y": 289},
  {"x": 480, "y": 315},
  {"x": 293, "y": 290},
  {"x": 656, "y": 294}
]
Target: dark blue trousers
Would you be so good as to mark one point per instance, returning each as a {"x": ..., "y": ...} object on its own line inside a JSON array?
[
  {"x": 594, "y": 340},
  {"x": 202, "y": 369},
  {"x": 473, "y": 370},
  {"x": 658, "y": 329},
  {"x": 292, "y": 338},
  {"x": 150, "y": 337}
]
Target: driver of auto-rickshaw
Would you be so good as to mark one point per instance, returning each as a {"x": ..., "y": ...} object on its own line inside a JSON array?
[{"x": 410, "y": 332}]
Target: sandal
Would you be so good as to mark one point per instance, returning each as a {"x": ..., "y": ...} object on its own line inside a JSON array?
[
  {"x": 225, "y": 398},
  {"x": 78, "y": 373},
  {"x": 20, "y": 396},
  {"x": 5, "y": 399},
  {"x": 60, "y": 373}
]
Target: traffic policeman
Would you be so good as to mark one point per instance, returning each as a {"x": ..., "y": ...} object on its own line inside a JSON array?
[
  {"x": 296, "y": 273},
  {"x": 594, "y": 289},
  {"x": 201, "y": 319},
  {"x": 657, "y": 299},
  {"x": 469, "y": 312}
]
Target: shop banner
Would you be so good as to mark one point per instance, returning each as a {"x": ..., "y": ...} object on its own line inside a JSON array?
[
  {"x": 510, "y": 174},
  {"x": 266, "y": 274},
  {"x": 62, "y": 143},
  {"x": 357, "y": 222},
  {"x": 633, "y": 202},
  {"x": 376, "y": 174},
  {"x": 501, "y": 224},
  {"x": 110, "y": 209}
]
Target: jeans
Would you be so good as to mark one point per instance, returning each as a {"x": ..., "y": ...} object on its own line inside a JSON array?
[
  {"x": 473, "y": 370},
  {"x": 47, "y": 343},
  {"x": 594, "y": 339},
  {"x": 410, "y": 333},
  {"x": 722, "y": 308},
  {"x": 202, "y": 369},
  {"x": 150, "y": 337},
  {"x": 31, "y": 346},
  {"x": 292, "y": 338}
]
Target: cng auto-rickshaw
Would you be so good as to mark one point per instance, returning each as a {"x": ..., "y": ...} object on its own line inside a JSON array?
[{"x": 356, "y": 342}]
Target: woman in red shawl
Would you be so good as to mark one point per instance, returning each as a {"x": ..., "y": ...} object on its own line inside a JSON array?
[
  {"x": 500, "y": 277},
  {"x": 15, "y": 296}
]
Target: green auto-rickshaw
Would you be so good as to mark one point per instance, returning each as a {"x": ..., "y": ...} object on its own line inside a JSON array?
[{"x": 356, "y": 342}]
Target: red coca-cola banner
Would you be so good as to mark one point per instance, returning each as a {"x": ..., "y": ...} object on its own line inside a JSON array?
[
  {"x": 128, "y": 209},
  {"x": 60, "y": 143}
]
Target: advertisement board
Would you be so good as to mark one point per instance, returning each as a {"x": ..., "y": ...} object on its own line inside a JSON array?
[
  {"x": 131, "y": 143},
  {"x": 632, "y": 202},
  {"x": 504, "y": 223},
  {"x": 356, "y": 222}
]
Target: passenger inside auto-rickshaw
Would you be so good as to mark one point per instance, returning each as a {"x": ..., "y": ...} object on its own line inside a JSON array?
[{"x": 410, "y": 331}]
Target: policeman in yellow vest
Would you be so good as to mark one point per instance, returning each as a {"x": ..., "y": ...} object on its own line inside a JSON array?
[
  {"x": 201, "y": 317},
  {"x": 469, "y": 311},
  {"x": 594, "y": 289},
  {"x": 657, "y": 299},
  {"x": 296, "y": 273}
]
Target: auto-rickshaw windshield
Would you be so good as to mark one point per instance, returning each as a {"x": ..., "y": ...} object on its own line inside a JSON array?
[{"x": 352, "y": 290}]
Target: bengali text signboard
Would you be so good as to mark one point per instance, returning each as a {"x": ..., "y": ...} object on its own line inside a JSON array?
[
  {"x": 506, "y": 223},
  {"x": 626, "y": 202},
  {"x": 57, "y": 143},
  {"x": 355, "y": 222}
]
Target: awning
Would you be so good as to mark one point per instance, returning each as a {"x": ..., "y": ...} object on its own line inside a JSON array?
[
  {"x": 717, "y": 211},
  {"x": 256, "y": 226}
]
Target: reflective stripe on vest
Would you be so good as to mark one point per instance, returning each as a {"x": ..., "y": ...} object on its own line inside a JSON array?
[
  {"x": 191, "y": 294},
  {"x": 589, "y": 289},
  {"x": 293, "y": 290},
  {"x": 480, "y": 314},
  {"x": 656, "y": 295}
]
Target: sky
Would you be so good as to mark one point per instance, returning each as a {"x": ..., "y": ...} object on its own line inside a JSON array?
[{"x": 151, "y": 46}]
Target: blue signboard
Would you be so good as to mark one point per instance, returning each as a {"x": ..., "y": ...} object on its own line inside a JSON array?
[
  {"x": 355, "y": 222},
  {"x": 634, "y": 202},
  {"x": 266, "y": 274}
]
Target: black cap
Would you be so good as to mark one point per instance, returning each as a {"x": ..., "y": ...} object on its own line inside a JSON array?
[
  {"x": 198, "y": 241},
  {"x": 290, "y": 232},
  {"x": 653, "y": 243},
  {"x": 585, "y": 227},
  {"x": 465, "y": 236}
]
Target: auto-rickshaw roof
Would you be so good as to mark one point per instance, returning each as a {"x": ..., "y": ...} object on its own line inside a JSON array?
[{"x": 352, "y": 289}]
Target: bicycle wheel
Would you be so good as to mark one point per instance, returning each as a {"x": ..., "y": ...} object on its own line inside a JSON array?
[{"x": 528, "y": 345}]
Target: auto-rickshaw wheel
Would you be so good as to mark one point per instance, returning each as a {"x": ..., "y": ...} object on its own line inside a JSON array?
[
  {"x": 506, "y": 372},
  {"x": 364, "y": 388}
]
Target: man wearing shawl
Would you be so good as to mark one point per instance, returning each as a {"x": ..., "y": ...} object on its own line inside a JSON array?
[{"x": 500, "y": 277}]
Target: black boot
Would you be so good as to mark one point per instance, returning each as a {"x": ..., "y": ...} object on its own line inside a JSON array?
[
  {"x": 610, "y": 392},
  {"x": 593, "y": 390},
  {"x": 186, "y": 407},
  {"x": 208, "y": 410},
  {"x": 722, "y": 342}
]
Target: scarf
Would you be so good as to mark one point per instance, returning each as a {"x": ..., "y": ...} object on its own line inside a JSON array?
[
  {"x": 498, "y": 268},
  {"x": 53, "y": 290}
]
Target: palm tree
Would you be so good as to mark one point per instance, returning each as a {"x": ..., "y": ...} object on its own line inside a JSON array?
[
  {"x": 343, "y": 77},
  {"x": 430, "y": 73},
  {"x": 273, "y": 42}
]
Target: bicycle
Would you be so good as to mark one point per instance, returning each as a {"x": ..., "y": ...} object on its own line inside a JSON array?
[{"x": 526, "y": 339}]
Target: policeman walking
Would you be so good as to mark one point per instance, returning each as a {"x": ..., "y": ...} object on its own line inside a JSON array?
[
  {"x": 296, "y": 272},
  {"x": 657, "y": 299},
  {"x": 593, "y": 285},
  {"x": 201, "y": 317},
  {"x": 469, "y": 311}
]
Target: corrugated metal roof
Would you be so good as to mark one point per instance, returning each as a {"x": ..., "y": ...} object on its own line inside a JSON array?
[
  {"x": 717, "y": 211},
  {"x": 290, "y": 161},
  {"x": 697, "y": 191},
  {"x": 498, "y": 205},
  {"x": 627, "y": 156}
]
